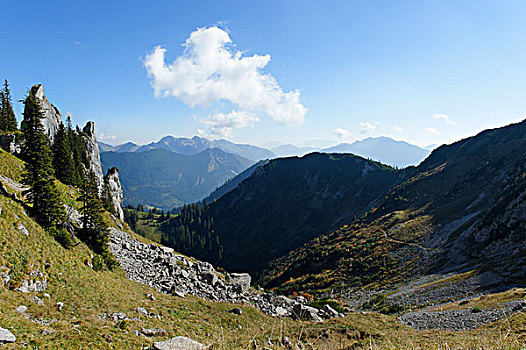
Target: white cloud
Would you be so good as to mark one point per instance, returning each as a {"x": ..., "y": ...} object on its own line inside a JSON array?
[
  {"x": 444, "y": 118},
  {"x": 106, "y": 136},
  {"x": 368, "y": 127},
  {"x": 222, "y": 125},
  {"x": 431, "y": 132},
  {"x": 211, "y": 70},
  {"x": 341, "y": 133},
  {"x": 397, "y": 128}
]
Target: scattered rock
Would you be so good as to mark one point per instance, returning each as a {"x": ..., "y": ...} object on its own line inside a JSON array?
[
  {"x": 178, "y": 343},
  {"x": 108, "y": 338},
  {"x": 240, "y": 281},
  {"x": 47, "y": 332},
  {"x": 38, "y": 301},
  {"x": 23, "y": 229},
  {"x": 22, "y": 309},
  {"x": 60, "y": 306},
  {"x": 142, "y": 311},
  {"x": 461, "y": 319},
  {"x": 33, "y": 286},
  {"x": 151, "y": 297},
  {"x": 175, "y": 274},
  {"x": 6, "y": 336},
  {"x": 306, "y": 313},
  {"x": 330, "y": 311},
  {"x": 236, "y": 311},
  {"x": 153, "y": 332}
]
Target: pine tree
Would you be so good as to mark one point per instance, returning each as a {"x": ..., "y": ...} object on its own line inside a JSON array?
[
  {"x": 39, "y": 176},
  {"x": 63, "y": 162},
  {"x": 8, "y": 121},
  {"x": 78, "y": 149},
  {"x": 94, "y": 231}
]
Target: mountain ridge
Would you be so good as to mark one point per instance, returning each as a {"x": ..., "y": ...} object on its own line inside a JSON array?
[
  {"x": 165, "y": 179},
  {"x": 194, "y": 145}
]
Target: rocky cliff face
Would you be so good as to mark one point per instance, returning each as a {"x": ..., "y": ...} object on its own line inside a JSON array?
[
  {"x": 51, "y": 115},
  {"x": 92, "y": 151},
  {"x": 113, "y": 185},
  {"x": 9, "y": 144}
]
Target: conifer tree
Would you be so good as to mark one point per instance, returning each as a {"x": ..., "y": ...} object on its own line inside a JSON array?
[
  {"x": 8, "y": 121},
  {"x": 95, "y": 232},
  {"x": 78, "y": 149},
  {"x": 39, "y": 175},
  {"x": 63, "y": 162}
]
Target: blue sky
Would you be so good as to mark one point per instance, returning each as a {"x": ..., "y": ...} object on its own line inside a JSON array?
[{"x": 421, "y": 71}]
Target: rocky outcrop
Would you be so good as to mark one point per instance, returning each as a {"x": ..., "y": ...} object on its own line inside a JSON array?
[
  {"x": 51, "y": 118},
  {"x": 9, "y": 144},
  {"x": 172, "y": 273},
  {"x": 92, "y": 151},
  {"x": 114, "y": 188}
]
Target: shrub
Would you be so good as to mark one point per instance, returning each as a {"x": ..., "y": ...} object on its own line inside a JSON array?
[{"x": 62, "y": 236}]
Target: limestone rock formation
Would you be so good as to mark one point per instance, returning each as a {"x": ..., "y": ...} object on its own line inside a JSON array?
[
  {"x": 9, "y": 144},
  {"x": 113, "y": 185},
  {"x": 92, "y": 151},
  {"x": 51, "y": 115}
]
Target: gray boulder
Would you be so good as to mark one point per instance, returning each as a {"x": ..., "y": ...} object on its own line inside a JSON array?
[
  {"x": 306, "y": 313},
  {"x": 6, "y": 336},
  {"x": 240, "y": 282},
  {"x": 178, "y": 343}
]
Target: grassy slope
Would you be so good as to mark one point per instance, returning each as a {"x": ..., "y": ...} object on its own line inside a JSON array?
[{"x": 87, "y": 294}]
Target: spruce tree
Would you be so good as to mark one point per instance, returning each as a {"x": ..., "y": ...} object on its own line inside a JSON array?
[
  {"x": 94, "y": 231},
  {"x": 78, "y": 149},
  {"x": 8, "y": 121},
  {"x": 47, "y": 208},
  {"x": 63, "y": 162}
]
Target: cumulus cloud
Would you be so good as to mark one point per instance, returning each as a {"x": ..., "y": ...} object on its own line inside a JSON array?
[
  {"x": 341, "y": 133},
  {"x": 431, "y": 132},
  {"x": 444, "y": 117},
  {"x": 397, "y": 128},
  {"x": 368, "y": 127},
  {"x": 211, "y": 70},
  {"x": 223, "y": 125}
]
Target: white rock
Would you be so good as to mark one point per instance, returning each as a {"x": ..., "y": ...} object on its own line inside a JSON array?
[
  {"x": 6, "y": 336},
  {"x": 178, "y": 343},
  {"x": 23, "y": 229},
  {"x": 22, "y": 309}
]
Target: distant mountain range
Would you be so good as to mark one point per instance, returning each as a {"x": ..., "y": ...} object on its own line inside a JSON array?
[
  {"x": 196, "y": 144},
  {"x": 166, "y": 179},
  {"x": 156, "y": 190},
  {"x": 383, "y": 149}
]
